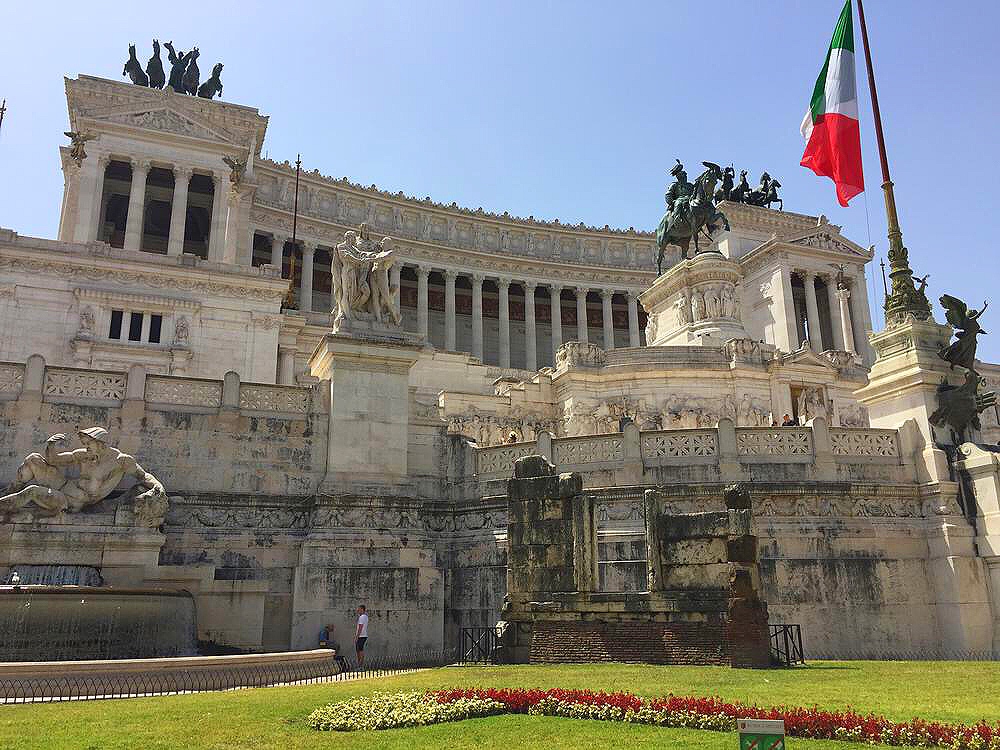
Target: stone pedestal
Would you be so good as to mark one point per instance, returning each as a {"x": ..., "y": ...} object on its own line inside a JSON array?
[
  {"x": 695, "y": 303},
  {"x": 902, "y": 393},
  {"x": 368, "y": 366}
]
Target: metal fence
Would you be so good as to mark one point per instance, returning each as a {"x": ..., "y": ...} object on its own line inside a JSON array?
[
  {"x": 167, "y": 681},
  {"x": 786, "y": 645},
  {"x": 480, "y": 645}
]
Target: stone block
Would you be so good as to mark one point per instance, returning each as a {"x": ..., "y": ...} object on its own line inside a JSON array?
[
  {"x": 713, "y": 576},
  {"x": 700, "y": 551},
  {"x": 688, "y": 525},
  {"x": 737, "y": 497},
  {"x": 533, "y": 466},
  {"x": 742, "y": 549}
]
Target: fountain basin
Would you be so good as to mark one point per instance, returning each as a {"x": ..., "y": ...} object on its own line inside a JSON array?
[{"x": 71, "y": 623}]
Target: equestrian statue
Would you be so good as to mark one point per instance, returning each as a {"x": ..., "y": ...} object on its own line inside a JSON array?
[{"x": 690, "y": 210}]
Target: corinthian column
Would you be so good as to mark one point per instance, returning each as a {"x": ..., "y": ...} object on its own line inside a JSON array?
[
  {"x": 633, "y": 321},
  {"x": 555, "y": 300},
  {"x": 178, "y": 210},
  {"x": 607, "y": 319},
  {"x": 812, "y": 312},
  {"x": 530, "y": 336},
  {"x": 581, "y": 314},
  {"x": 422, "y": 275},
  {"x": 477, "y": 316},
  {"x": 306, "y": 282},
  {"x": 136, "y": 205},
  {"x": 503, "y": 285},
  {"x": 836, "y": 325},
  {"x": 846, "y": 324},
  {"x": 449, "y": 310},
  {"x": 278, "y": 251},
  {"x": 222, "y": 205}
]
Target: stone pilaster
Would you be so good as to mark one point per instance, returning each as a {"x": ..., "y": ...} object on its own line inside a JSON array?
[
  {"x": 449, "y": 310},
  {"x": 222, "y": 206},
  {"x": 423, "y": 273},
  {"x": 555, "y": 301},
  {"x": 633, "y": 320}
]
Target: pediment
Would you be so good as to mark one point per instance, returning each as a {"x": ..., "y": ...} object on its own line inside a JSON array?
[
  {"x": 826, "y": 237},
  {"x": 809, "y": 358},
  {"x": 164, "y": 119}
]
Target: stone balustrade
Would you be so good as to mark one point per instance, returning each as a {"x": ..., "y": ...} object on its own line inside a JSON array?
[
  {"x": 70, "y": 385},
  {"x": 723, "y": 453}
]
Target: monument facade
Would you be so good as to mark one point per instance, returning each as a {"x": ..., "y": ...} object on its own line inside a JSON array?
[{"x": 318, "y": 421}]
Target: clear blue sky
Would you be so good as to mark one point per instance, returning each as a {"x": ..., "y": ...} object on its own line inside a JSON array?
[{"x": 560, "y": 110}]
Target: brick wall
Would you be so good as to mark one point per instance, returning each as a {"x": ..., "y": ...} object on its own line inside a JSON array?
[{"x": 646, "y": 642}]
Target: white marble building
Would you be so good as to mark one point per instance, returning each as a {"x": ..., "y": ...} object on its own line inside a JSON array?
[
  {"x": 309, "y": 471},
  {"x": 154, "y": 200}
]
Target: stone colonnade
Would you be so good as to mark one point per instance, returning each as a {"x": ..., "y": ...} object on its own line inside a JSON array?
[
  {"x": 306, "y": 302},
  {"x": 814, "y": 323},
  {"x": 91, "y": 183}
]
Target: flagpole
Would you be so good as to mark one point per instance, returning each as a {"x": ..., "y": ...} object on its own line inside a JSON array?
[{"x": 904, "y": 298}]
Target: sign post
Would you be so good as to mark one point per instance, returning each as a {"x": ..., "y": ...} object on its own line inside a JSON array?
[{"x": 761, "y": 734}]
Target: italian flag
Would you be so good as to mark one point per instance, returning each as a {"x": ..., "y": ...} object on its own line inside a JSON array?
[{"x": 830, "y": 127}]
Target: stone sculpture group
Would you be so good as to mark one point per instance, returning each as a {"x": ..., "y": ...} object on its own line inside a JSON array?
[
  {"x": 184, "y": 73},
  {"x": 361, "y": 286},
  {"x": 44, "y": 485}
]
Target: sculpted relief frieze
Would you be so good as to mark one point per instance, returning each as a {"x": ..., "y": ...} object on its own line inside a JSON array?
[{"x": 166, "y": 121}]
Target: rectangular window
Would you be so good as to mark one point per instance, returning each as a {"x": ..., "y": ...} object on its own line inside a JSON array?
[
  {"x": 135, "y": 327},
  {"x": 155, "y": 324},
  {"x": 115, "y": 332}
]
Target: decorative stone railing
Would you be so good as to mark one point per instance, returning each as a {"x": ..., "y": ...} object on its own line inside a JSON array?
[
  {"x": 576, "y": 452},
  {"x": 497, "y": 462},
  {"x": 679, "y": 446},
  {"x": 72, "y": 384},
  {"x": 11, "y": 381},
  {"x": 721, "y": 453},
  {"x": 34, "y": 380},
  {"x": 852, "y": 442},
  {"x": 287, "y": 399},
  {"x": 782, "y": 443},
  {"x": 184, "y": 392}
]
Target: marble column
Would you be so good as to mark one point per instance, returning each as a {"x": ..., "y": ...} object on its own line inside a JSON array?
[
  {"x": 394, "y": 275},
  {"x": 633, "y": 321},
  {"x": 555, "y": 300},
  {"x": 449, "y": 310},
  {"x": 530, "y": 335},
  {"x": 836, "y": 326},
  {"x": 581, "y": 314},
  {"x": 812, "y": 312},
  {"x": 607, "y": 319},
  {"x": 477, "y": 316},
  {"x": 286, "y": 365},
  {"x": 220, "y": 211},
  {"x": 88, "y": 184},
  {"x": 278, "y": 251},
  {"x": 178, "y": 210},
  {"x": 861, "y": 317},
  {"x": 136, "y": 205},
  {"x": 503, "y": 285},
  {"x": 783, "y": 310},
  {"x": 422, "y": 275},
  {"x": 846, "y": 324},
  {"x": 306, "y": 282},
  {"x": 96, "y": 216}
]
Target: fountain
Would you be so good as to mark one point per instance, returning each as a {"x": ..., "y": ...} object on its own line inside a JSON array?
[{"x": 63, "y": 613}]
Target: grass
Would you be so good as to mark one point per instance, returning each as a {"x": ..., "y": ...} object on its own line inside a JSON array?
[{"x": 275, "y": 717}]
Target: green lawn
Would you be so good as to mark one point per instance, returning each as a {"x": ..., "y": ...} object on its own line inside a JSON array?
[{"x": 275, "y": 717}]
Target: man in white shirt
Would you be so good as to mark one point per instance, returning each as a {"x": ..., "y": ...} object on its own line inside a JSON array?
[{"x": 362, "y": 635}]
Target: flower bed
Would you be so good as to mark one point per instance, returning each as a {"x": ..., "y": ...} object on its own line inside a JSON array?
[
  {"x": 391, "y": 710},
  {"x": 716, "y": 714}
]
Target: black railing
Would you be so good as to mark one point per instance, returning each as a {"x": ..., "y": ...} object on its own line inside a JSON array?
[
  {"x": 167, "y": 680},
  {"x": 786, "y": 645},
  {"x": 480, "y": 645}
]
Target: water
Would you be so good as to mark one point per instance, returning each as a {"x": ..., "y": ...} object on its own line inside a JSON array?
[{"x": 62, "y": 623}]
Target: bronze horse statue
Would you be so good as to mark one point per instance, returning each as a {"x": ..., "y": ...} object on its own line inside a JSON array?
[
  {"x": 726, "y": 189},
  {"x": 213, "y": 85},
  {"x": 691, "y": 215},
  {"x": 134, "y": 70},
  {"x": 191, "y": 75},
  {"x": 154, "y": 68}
]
